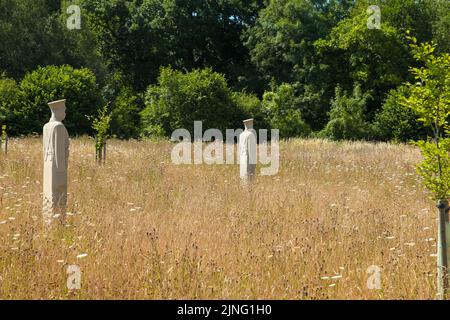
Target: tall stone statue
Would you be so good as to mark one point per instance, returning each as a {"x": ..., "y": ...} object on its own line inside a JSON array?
[
  {"x": 56, "y": 154},
  {"x": 247, "y": 153}
]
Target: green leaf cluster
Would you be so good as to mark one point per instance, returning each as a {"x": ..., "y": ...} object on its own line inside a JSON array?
[
  {"x": 101, "y": 126},
  {"x": 430, "y": 99}
]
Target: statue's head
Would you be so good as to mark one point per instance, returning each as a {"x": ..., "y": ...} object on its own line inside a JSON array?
[
  {"x": 58, "y": 109},
  {"x": 248, "y": 124}
]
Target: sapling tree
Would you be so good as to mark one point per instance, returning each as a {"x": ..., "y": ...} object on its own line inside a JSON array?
[
  {"x": 4, "y": 139},
  {"x": 100, "y": 125},
  {"x": 430, "y": 100}
]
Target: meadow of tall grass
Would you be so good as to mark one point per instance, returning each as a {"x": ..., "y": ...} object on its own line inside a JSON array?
[{"x": 140, "y": 227}]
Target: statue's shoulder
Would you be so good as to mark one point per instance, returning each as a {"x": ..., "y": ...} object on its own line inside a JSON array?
[
  {"x": 48, "y": 125},
  {"x": 246, "y": 133},
  {"x": 54, "y": 126}
]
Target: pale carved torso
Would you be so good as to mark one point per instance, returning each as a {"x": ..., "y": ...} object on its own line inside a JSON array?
[
  {"x": 247, "y": 147},
  {"x": 56, "y": 153},
  {"x": 56, "y": 145}
]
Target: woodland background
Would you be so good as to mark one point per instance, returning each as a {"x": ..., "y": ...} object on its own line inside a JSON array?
[{"x": 311, "y": 68}]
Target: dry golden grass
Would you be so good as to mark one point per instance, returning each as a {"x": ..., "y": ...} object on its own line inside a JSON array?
[{"x": 153, "y": 230}]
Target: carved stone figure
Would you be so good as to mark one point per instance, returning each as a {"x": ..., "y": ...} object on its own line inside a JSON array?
[
  {"x": 247, "y": 152},
  {"x": 56, "y": 154}
]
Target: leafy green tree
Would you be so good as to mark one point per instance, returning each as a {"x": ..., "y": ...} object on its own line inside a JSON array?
[
  {"x": 3, "y": 133},
  {"x": 281, "y": 41},
  {"x": 80, "y": 48},
  {"x": 28, "y": 36},
  {"x": 430, "y": 99},
  {"x": 394, "y": 122},
  {"x": 441, "y": 24},
  {"x": 101, "y": 125},
  {"x": 51, "y": 83},
  {"x": 283, "y": 113},
  {"x": 128, "y": 37},
  {"x": 8, "y": 99},
  {"x": 403, "y": 15},
  {"x": 125, "y": 121},
  {"x": 211, "y": 37},
  {"x": 347, "y": 120},
  {"x": 138, "y": 37},
  {"x": 281, "y": 44},
  {"x": 377, "y": 59},
  {"x": 180, "y": 98},
  {"x": 34, "y": 33},
  {"x": 251, "y": 107},
  {"x": 333, "y": 10}
]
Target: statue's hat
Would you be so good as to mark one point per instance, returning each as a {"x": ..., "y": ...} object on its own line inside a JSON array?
[
  {"x": 55, "y": 105},
  {"x": 248, "y": 122}
]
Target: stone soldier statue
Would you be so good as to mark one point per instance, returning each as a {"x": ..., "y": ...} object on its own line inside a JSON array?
[
  {"x": 247, "y": 152},
  {"x": 56, "y": 153}
]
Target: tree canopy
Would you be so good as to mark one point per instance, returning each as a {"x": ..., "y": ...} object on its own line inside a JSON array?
[{"x": 288, "y": 63}]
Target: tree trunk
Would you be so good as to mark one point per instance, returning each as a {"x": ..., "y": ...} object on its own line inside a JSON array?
[{"x": 443, "y": 240}]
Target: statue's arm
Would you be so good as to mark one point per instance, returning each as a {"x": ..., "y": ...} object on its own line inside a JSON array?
[
  {"x": 61, "y": 147},
  {"x": 243, "y": 141},
  {"x": 43, "y": 141},
  {"x": 251, "y": 147},
  {"x": 67, "y": 145}
]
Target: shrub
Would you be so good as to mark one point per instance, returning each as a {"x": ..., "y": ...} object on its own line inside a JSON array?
[
  {"x": 180, "y": 98},
  {"x": 282, "y": 109},
  {"x": 347, "y": 116},
  {"x": 8, "y": 99},
  {"x": 251, "y": 107},
  {"x": 395, "y": 122},
  {"x": 51, "y": 83},
  {"x": 100, "y": 125},
  {"x": 125, "y": 122}
]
